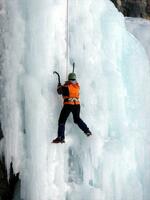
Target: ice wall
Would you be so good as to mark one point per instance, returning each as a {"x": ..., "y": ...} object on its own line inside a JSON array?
[
  {"x": 11, "y": 54},
  {"x": 140, "y": 28},
  {"x": 113, "y": 72}
]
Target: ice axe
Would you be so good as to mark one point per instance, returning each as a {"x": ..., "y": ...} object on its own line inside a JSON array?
[
  {"x": 54, "y": 72},
  {"x": 73, "y": 66},
  {"x": 58, "y": 77}
]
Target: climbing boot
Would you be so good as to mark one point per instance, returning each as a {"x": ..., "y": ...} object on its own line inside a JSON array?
[
  {"x": 88, "y": 133},
  {"x": 58, "y": 140}
]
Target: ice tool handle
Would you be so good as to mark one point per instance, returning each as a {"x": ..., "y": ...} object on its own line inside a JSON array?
[
  {"x": 73, "y": 67},
  {"x": 58, "y": 77}
]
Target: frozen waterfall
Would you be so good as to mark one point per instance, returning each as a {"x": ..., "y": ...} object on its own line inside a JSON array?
[{"x": 114, "y": 73}]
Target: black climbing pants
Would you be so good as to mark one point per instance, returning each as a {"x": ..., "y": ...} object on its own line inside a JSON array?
[{"x": 66, "y": 110}]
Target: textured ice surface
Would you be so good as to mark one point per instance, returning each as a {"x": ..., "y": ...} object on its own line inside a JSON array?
[{"x": 140, "y": 28}]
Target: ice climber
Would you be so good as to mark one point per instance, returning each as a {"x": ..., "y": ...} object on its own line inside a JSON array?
[{"x": 70, "y": 92}]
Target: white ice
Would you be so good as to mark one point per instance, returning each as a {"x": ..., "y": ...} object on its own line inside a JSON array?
[
  {"x": 140, "y": 28},
  {"x": 113, "y": 71}
]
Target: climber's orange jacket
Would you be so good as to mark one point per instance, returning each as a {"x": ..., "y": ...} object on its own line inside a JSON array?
[{"x": 70, "y": 92}]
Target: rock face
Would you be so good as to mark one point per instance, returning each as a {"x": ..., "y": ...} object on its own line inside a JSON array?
[
  {"x": 134, "y": 8},
  {"x": 7, "y": 187},
  {"x": 4, "y": 186},
  {"x": 1, "y": 133}
]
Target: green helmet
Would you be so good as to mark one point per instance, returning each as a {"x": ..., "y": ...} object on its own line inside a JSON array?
[{"x": 72, "y": 76}]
